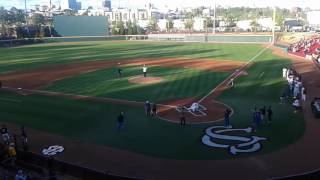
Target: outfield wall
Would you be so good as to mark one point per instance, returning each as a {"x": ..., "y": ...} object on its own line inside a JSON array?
[
  {"x": 230, "y": 38},
  {"x": 151, "y": 37},
  {"x": 26, "y": 41},
  {"x": 81, "y": 25}
]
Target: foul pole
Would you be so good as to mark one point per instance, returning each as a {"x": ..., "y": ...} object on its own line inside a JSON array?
[
  {"x": 273, "y": 25},
  {"x": 25, "y": 11}
]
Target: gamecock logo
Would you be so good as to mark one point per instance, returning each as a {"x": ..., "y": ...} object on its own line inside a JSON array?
[
  {"x": 53, "y": 150},
  {"x": 229, "y": 138}
]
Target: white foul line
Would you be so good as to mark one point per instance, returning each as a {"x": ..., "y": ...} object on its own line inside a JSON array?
[
  {"x": 261, "y": 75},
  {"x": 234, "y": 74}
]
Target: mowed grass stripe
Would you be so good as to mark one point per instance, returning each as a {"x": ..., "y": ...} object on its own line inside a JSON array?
[
  {"x": 178, "y": 83},
  {"x": 27, "y": 57}
]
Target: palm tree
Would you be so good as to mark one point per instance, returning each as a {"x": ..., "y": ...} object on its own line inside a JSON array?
[{"x": 169, "y": 25}]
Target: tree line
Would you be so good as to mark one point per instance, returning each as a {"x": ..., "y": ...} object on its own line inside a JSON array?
[{"x": 14, "y": 23}]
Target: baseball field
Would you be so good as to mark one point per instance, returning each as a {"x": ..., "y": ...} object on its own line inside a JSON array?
[{"x": 72, "y": 90}]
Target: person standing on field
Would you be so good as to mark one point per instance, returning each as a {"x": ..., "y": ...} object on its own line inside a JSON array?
[
  {"x": 304, "y": 94},
  {"x": 154, "y": 109},
  {"x": 120, "y": 120},
  {"x": 147, "y": 108},
  {"x": 263, "y": 113},
  {"x": 144, "y": 70},
  {"x": 227, "y": 113},
  {"x": 270, "y": 114},
  {"x": 119, "y": 72},
  {"x": 182, "y": 118}
]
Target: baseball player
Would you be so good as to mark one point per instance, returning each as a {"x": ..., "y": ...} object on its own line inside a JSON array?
[
  {"x": 144, "y": 70},
  {"x": 119, "y": 72},
  {"x": 231, "y": 83}
]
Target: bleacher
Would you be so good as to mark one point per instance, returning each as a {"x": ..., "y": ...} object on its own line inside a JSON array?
[{"x": 309, "y": 49}]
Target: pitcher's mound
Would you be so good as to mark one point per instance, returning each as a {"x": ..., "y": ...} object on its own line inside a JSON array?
[{"x": 145, "y": 80}]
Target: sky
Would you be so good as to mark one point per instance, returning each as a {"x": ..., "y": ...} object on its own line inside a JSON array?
[{"x": 175, "y": 3}]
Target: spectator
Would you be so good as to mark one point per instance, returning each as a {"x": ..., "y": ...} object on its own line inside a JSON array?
[
  {"x": 24, "y": 139},
  {"x": 12, "y": 153},
  {"x": 296, "y": 105},
  {"x": 5, "y": 135},
  {"x": 20, "y": 175}
]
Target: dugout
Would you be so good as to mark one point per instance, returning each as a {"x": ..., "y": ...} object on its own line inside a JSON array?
[{"x": 81, "y": 25}]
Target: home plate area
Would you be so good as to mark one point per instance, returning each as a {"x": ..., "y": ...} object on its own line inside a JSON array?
[{"x": 195, "y": 109}]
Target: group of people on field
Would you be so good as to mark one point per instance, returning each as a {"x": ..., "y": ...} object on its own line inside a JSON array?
[
  {"x": 294, "y": 90},
  {"x": 150, "y": 109},
  {"x": 262, "y": 115},
  {"x": 144, "y": 71}
]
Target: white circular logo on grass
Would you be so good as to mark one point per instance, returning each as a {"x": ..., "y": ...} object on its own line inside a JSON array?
[{"x": 53, "y": 150}]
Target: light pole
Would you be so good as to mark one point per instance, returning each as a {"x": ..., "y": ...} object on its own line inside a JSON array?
[{"x": 214, "y": 17}]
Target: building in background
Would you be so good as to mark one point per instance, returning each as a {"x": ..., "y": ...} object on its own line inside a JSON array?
[
  {"x": 70, "y": 4},
  {"x": 313, "y": 19},
  {"x": 106, "y": 5}
]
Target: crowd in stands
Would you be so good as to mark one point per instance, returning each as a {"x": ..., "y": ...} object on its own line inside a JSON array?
[
  {"x": 12, "y": 165},
  {"x": 308, "y": 48},
  {"x": 7, "y": 37}
]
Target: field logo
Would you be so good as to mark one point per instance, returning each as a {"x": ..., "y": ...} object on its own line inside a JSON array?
[
  {"x": 216, "y": 137},
  {"x": 53, "y": 150}
]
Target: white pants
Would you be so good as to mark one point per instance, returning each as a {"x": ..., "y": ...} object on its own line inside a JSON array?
[{"x": 304, "y": 97}]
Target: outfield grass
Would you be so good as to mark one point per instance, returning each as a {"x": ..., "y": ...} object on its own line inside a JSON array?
[
  {"x": 177, "y": 83},
  {"x": 26, "y": 57},
  {"x": 96, "y": 122}
]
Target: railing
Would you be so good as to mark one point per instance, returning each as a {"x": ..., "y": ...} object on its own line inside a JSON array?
[{"x": 35, "y": 162}]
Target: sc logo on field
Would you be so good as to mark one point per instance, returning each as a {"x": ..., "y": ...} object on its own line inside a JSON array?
[{"x": 216, "y": 137}]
